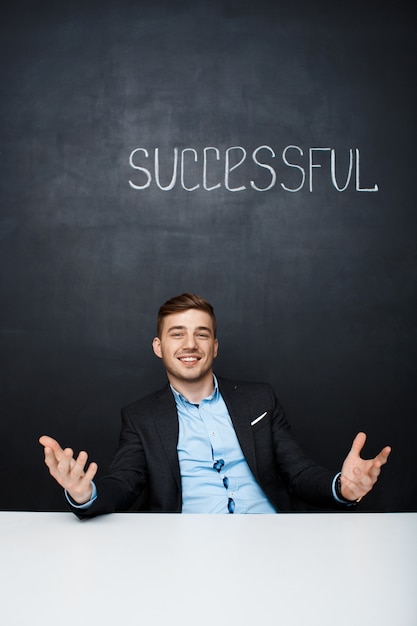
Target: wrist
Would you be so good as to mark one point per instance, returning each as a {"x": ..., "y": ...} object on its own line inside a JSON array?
[
  {"x": 340, "y": 496},
  {"x": 86, "y": 502},
  {"x": 80, "y": 499}
]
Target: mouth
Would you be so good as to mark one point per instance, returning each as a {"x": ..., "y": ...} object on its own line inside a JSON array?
[{"x": 188, "y": 360}]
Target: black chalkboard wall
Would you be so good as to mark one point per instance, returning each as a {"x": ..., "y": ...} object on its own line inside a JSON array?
[{"x": 258, "y": 153}]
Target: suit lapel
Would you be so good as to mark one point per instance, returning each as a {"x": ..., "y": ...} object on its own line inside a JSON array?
[
  {"x": 239, "y": 411},
  {"x": 166, "y": 420}
]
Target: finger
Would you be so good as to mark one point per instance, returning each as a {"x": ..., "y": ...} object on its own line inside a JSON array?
[
  {"x": 52, "y": 444},
  {"x": 59, "y": 469},
  {"x": 358, "y": 444},
  {"x": 383, "y": 455},
  {"x": 66, "y": 461},
  {"x": 53, "y": 456},
  {"x": 50, "y": 459},
  {"x": 377, "y": 463},
  {"x": 374, "y": 472},
  {"x": 79, "y": 465},
  {"x": 91, "y": 472}
]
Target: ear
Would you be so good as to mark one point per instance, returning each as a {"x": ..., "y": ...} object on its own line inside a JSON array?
[
  {"x": 156, "y": 345},
  {"x": 216, "y": 347}
]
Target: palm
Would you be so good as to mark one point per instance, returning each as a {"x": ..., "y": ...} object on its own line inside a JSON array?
[{"x": 359, "y": 475}]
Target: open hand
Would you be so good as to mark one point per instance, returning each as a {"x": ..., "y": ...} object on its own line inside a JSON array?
[
  {"x": 360, "y": 475},
  {"x": 69, "y": 472}
]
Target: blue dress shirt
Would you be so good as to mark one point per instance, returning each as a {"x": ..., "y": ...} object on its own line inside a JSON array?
[{"x": 206, "y": 436}]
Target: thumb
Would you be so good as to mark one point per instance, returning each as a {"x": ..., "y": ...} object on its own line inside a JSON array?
[{"x": 358, "y": 444}]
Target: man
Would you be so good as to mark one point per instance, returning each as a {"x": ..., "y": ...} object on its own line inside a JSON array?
[{"x": 205, "y": 444}]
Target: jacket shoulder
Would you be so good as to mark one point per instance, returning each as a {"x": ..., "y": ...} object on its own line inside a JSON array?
[
  {"x": 248, "y": 386},
  {"x": 153, "y": 399}
]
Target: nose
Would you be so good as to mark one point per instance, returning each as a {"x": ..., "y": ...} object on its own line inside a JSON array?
[{"x": 189, "y": 342}]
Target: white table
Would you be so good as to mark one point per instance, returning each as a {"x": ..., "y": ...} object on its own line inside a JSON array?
[{"x": 198, "y": 570}]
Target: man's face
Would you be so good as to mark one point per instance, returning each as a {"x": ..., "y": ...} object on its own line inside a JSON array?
[{"x": 187, "y": 346}]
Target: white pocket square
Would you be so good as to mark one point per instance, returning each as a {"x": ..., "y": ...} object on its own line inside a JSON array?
[{"x": 258, "y": 419}]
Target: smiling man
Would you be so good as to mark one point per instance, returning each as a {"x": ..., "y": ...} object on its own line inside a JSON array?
[
  {"x": 204, "y": 444},
  {"x": 187, "y": 345}
]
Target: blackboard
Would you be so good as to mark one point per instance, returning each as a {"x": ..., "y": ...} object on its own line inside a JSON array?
[{"x": 259, "y": 154}]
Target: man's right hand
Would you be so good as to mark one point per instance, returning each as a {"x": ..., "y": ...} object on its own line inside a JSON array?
[{"x": 70, "y": 473}]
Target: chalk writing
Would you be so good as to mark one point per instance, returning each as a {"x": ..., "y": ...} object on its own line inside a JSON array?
[{"x": 237, "y": 169}]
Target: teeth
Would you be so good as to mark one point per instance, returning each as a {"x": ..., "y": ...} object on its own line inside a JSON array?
[{"x": 189, "y": 359}]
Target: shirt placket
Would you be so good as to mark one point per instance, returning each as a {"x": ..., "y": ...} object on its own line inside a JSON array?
[{"x": 219, "y": 451}]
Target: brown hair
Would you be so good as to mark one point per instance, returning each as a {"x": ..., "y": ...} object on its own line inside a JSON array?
[{"x": 182, "y": 303}]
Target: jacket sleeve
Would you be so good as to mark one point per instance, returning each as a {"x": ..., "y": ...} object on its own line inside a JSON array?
[
  {"x": 126, "y": 479},
  {"x": 303, "y": 476}
]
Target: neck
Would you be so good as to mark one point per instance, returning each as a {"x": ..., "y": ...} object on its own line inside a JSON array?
[{"x": 194, "y": 390}]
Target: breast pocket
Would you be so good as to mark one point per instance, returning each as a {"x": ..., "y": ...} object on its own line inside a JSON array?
[{"x": 260, "y": 421}]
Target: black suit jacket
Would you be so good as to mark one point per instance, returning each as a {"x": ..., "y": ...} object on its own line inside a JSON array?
[{"x": 145, "y": 468}]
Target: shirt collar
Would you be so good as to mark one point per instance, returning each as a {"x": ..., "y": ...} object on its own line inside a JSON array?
[{"x": 180, "y": 399}]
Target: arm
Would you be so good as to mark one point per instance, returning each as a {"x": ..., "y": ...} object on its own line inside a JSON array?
[
  {"x": 310, "y": 481},
  {"x": 304, "y": 478},
  {"x": 72, "y": 474}
]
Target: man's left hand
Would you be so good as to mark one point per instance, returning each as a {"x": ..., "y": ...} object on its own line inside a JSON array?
[{"x": 360, "y": 475}]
